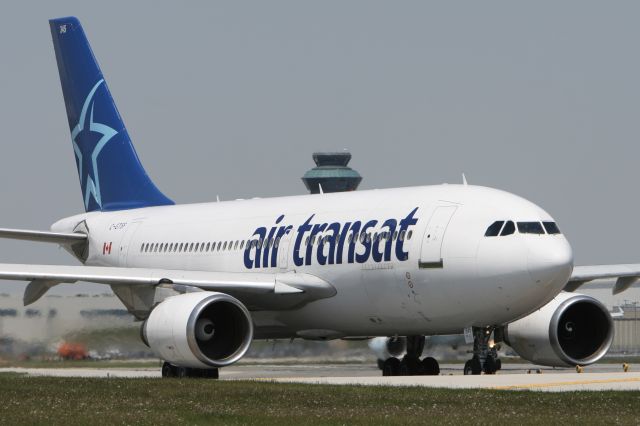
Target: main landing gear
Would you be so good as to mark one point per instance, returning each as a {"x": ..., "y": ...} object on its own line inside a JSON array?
[
  {"x": 170, "y": 370},
  {"x": 411, "y": 365},
  {"x": 485, "y": 356}
]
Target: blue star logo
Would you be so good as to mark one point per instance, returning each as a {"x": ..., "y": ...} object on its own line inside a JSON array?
[{"x": 86, "y": 152}]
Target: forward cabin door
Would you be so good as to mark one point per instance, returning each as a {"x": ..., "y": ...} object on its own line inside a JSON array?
[{"x": 431, "y": 252}]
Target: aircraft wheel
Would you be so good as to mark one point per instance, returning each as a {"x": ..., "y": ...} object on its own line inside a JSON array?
[
  {"x": 391, "y": 367},
  {"x": 498, "y": 364},
  {"x": 168, "y": 370},
  {"x": 490, "y": 365},
  {"x": 181, "y": 372},
  {"x": 410, "y": 366},
  {"x": 430, "y": 366},
  {"x": 472, "y": 367}
]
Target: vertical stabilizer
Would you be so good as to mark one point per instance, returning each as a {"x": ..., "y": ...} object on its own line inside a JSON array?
[{"x": 111, "y": 176}]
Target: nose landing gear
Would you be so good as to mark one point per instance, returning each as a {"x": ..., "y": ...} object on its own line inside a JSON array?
[
  {"x": 411, "y": 365},
  {"x": 485, "y": 356}
]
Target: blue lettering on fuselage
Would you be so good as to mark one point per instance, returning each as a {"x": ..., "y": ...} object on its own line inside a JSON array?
[{"x": 365, "y": 240}]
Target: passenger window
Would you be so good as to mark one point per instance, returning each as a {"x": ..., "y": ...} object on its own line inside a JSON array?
[
  {"x": 395, "y": 235},
  {"x": 494, "y": 229},
  {"x": 402, "y": 234},
  {"x": 530, "y": 228},
  {"x": 208, "y": 245},
  {"x": 409, "y": 234},
  {"x": 235, "y": 246},
  {"x": 224, "y": 247},
  {"x": 509, "y": 228},
  {"x": 551, "y": 228}
]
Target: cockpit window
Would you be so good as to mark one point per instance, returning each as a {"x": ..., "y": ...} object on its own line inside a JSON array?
[
  {"x": 494, "y": 229},
  {"x": 530, "y": 228},
  {"x": 508, "y": 229},
  {"x": 551, "y": 228}
]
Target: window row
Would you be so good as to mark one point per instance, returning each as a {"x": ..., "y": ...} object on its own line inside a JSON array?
[
  {"x": 191, "y": 247},
  {"x": 502, "y": 228}
]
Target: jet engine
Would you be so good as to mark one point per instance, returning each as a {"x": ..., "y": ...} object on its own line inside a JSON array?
[
  {"x": 572, "y": 329},
  {"x": 199, "y": 330},
  {"x": 387, "y": 347}
]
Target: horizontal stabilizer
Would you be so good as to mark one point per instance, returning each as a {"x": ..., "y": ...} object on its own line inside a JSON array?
[{"x": 43, "y": 236}]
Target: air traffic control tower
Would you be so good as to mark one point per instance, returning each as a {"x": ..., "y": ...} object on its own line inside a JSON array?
[{"x": 331, "y": 172}]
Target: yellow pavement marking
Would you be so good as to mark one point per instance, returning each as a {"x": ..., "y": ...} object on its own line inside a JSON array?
[{"x": 572, "y": 383}]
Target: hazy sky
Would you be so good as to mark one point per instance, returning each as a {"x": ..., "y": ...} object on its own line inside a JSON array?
[{"x": 540, "y": 98}]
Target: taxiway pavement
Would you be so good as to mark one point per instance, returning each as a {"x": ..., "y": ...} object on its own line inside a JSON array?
[{"x": 511, "y": 377}]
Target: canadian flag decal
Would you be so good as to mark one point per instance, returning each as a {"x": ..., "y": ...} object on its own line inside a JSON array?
[{"x": 106, "y": 248}]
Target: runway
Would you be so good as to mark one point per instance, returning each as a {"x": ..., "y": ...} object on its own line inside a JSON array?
[{"x": 512, "y": 377}]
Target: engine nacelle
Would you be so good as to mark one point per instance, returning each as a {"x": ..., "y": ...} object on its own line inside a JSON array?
[
  {"x": 199, "y": 330},
  {"x": 572, "y": 329},
  {"x": 387, "y": 347}
]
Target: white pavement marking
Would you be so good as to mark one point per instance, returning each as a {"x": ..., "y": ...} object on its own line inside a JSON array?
[{"x": 548, "y": 382}]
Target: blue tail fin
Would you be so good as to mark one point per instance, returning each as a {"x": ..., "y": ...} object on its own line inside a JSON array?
[{"x": 111, "y": 176}]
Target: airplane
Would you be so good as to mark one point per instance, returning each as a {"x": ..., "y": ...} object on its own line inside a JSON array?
[{"x": 206, "y": 279}]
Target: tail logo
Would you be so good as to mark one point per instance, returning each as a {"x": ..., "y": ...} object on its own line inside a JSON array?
[{"x": 86, "y": 151}]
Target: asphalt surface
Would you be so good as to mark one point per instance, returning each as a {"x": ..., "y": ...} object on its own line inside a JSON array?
[{"x": 511, "y": 377}]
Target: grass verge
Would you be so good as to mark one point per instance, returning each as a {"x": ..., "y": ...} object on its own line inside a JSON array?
[{"x": 69, "y": 401}]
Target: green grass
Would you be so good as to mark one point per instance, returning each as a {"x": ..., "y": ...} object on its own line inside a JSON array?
[{"x": 69, "y": 401}]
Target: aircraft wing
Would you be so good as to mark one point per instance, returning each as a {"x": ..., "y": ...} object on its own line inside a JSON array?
[
  {"x": 258, "y": 290},
  {"x": 626, "y": 276}
]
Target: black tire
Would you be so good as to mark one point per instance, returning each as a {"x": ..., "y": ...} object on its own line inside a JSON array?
[
  {"x": 472, "y": 367},
  {"x": 391, "y": 367},
  {"x": 212, "y": 373},
  {"x": 168, "y": 370},
  {"x": 380, "y": 364},
  {"x": 410, "y": 366},
  {"x": 490, "y": 366},
  {"x": 182, "y": 372},
  {"x": 430, "y": 367},
  {"x": 498, "y": 364}
]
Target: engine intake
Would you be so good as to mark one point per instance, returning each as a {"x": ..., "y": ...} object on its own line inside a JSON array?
[
  {"x": 387, "y": 347},
  {"x": 572, "y": 329},
  {"x": 199, "y": 330}
]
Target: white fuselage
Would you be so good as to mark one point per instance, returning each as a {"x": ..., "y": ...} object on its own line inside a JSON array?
[{"x": 432, "y": 271}]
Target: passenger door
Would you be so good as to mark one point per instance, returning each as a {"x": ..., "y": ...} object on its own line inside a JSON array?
[{"x": 431, "y": 252}]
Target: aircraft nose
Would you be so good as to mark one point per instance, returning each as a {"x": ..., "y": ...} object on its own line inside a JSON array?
[{"x": 550, "y": 261}]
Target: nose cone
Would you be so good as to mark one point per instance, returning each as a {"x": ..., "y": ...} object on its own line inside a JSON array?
[{"x": 550, "y": 261}]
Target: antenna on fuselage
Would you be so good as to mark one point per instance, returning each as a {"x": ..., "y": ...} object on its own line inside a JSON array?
[
  {"x": 320, "y": 188},
  {"x": 464, "y": 180},
  {"x": 218, "y": 198}
]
